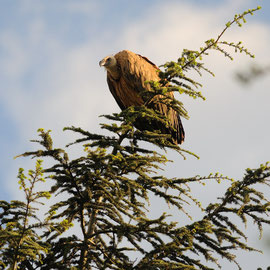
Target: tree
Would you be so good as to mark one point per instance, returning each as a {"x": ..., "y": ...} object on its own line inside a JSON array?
[{"x": 106, "y": 194}]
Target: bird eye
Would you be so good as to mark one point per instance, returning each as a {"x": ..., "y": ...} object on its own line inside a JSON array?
[{"x": 109, "y": 59}]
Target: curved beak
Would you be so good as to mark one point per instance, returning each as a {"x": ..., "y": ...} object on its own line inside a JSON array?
[{"x": 102, "y": 62}]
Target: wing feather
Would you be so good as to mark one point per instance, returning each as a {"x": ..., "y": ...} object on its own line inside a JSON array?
[
  {"x": 135, "y": 70},
  {"x": 113, "y": 90}
]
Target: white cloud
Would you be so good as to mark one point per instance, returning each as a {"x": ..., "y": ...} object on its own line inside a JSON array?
[{"x": 69, "y": 88}]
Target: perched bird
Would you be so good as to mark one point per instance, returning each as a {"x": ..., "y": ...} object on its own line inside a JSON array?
[{"x": 127, "y": 73}]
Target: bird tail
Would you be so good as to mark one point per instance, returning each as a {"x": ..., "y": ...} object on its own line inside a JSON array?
[{"x": 178, "y": 133}]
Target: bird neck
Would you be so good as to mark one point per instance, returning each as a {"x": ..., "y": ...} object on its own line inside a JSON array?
[{"x": 114, "y": 72}]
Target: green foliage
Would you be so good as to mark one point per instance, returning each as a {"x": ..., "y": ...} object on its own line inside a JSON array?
[
  {"x": 105, "y": 195},
  {"x": 19, "y": 240},
  {"x": 107, "y": 192}
]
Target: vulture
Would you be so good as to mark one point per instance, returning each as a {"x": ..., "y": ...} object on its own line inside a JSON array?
[{"x": 127, "y": 73}]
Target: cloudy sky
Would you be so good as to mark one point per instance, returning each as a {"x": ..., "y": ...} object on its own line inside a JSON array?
[{"x": 50, "y": 78}]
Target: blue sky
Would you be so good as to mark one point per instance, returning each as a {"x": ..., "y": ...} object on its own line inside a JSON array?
[{"x": 50, "y": 78}]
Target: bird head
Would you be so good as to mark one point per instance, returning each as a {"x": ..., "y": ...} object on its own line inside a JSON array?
[{"x": 108, "y": 62}]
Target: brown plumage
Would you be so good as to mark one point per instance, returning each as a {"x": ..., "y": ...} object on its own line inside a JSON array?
[{"x": 126, "y": 76}]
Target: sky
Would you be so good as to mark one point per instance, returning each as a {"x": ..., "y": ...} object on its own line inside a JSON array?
[{"x": 50, "y": 78}]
